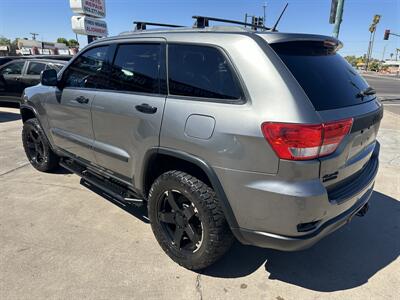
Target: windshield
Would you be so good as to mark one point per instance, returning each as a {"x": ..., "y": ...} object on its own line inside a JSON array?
[{"x": 326, "y": 77}]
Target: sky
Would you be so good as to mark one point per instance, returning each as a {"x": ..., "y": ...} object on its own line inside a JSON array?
[{"x": 52, "y": 18}]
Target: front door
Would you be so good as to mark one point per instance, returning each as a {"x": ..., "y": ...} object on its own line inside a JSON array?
[
  {"x": 127, "y": 118},
  {"x": 69, "y": 108},
  {"x": 10, "y": 80}
]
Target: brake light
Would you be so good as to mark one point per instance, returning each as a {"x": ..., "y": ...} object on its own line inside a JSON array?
[{"x": 304, "y": 141}]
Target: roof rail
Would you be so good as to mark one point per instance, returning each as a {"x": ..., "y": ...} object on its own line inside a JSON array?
[
  {"x": 203, "y": 21},
  {"x": 141, "y": 25}
]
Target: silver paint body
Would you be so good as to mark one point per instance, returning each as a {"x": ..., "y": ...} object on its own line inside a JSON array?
[{"x": 266, "y": 194}]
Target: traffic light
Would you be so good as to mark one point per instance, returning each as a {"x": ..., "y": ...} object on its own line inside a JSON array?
[
  {"x": 372, "y": 28},
  {"x": 257, "y": 21},
  {"x": 332, "y": 16},
  {"x": 260, "y": 21},
  {"x": 386, "y": 35},
  {"x": 376, "y": 19}
]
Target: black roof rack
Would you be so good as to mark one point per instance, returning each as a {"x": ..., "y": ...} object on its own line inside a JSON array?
[
  {"x": 202, "y": 22},
  {"x": 141, "y": 25}
]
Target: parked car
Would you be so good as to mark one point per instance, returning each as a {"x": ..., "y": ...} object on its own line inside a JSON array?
[
  {"x": 222, "y": 132},
  {"x": 17, "y": 75},
  {"x": 6, "y": 59}
]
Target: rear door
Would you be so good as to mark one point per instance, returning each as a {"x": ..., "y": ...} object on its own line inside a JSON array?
[
  {"x": 69, "y": 108},
  {"x": 127, "y": 117},
  {"x": 10, "y": 80},
  {"x": 337, "y": 92}
]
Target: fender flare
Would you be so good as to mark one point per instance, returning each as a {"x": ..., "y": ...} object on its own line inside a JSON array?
[
  {"x": 31, "y": 108},
  {"x": 207, "y": 169}
]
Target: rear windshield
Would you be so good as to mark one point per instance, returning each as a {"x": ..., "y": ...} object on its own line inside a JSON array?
[{"x": 326, "y": 77}]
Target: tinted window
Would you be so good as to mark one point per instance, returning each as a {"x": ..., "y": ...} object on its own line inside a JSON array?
[
  {"x": 200, "y": 71},
  {"x": 88, "y": 70},
  {"x": 56, "y": 67},
  {"x": 136, "y": 68},
  {"x": 13, "y": 68},
  {"x": 328, "y": 80},
  {"x": 35, "y": 68}
]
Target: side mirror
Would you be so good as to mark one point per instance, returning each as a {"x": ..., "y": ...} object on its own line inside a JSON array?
[{"x": 48, "y": 77}]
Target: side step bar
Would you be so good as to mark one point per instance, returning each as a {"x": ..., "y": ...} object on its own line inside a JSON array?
[{"x": 113, "y": 189}]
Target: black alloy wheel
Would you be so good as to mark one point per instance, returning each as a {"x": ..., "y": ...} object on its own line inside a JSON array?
[
  {"x": 37, "y": 148},
  {"x": 180, "y": 221}
]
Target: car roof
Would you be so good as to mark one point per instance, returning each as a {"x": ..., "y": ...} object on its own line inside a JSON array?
[
  {"x": 42, "y": 60},
  {"x": 269, "y": 36}
]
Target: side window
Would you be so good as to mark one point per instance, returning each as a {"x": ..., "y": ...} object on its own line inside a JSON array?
[
  {"x": 13, "y": 68},
  {"x": 136, "y": 68},
  {"x": 88, "y": 70},
  {"x": 201, "y": 71},
  {"x": 56, "y": 67},
  {"x": 35, "y": 68}
]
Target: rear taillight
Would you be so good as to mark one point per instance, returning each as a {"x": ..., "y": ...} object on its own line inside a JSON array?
[{"x": 304, "y": 141}]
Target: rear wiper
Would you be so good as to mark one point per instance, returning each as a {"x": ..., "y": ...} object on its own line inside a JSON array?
[{"x": 367, "y": 92}]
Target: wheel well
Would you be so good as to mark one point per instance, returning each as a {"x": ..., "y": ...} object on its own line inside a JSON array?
[
  {"x": 161, "y": 163},
  {"x": 27, "y": 114}
]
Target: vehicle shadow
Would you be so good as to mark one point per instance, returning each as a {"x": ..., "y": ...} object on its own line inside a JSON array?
[
  {"x": 6, "y": 116},
  {"x": 344, "y": 260},
  {"x": 139, "y": 212}
]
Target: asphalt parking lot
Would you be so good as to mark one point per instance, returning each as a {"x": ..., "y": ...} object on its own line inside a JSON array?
[{"x": 59, "y": 240}]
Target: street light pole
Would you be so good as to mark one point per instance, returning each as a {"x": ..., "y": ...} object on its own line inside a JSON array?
[
  {"x": 264, "y": 7},
  {"x": 383, "y": 54},
  {"x": 338, "y": 19}
]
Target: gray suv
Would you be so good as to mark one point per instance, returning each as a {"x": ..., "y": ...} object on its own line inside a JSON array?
[{"x": 224, "y": 132}]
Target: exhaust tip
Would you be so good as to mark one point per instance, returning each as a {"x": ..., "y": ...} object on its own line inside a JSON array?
[{"x": 363, "y": 211}]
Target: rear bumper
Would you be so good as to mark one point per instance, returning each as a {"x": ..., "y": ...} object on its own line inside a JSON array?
[
  {"x": 288, "y": 243},
  {"x": 294, "y": 214}
]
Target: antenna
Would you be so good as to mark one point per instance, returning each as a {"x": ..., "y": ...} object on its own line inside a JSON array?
[{"x": 277, "y": 21}]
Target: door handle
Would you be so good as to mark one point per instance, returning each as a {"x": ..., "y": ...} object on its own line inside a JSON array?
[
  {"x": 146, "y": 109},
  {"x": 82, "y": 100}
]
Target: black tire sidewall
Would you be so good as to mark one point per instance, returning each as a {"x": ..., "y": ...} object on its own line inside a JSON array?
[{"x": 166, "y": 182}]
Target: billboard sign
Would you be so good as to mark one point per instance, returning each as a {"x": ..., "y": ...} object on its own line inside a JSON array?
[
  {"x": 89, "y": 26},
  {"x": 93, "y": 8}
]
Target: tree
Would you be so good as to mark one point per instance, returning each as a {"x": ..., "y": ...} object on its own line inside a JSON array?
[
  {"x": 62, "y": 40},
  {"x": 73, "y": 43},
  {"x": 4, "y": 41},
  {"x": 352, "y": 59},
  {"x": 374, "y": 66}
]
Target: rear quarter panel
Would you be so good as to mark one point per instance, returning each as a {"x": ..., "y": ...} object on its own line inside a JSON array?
[{"x": 237, "y": 141}]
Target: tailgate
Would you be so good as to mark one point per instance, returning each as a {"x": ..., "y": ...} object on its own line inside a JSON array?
[{"x": 356, "y": 149}]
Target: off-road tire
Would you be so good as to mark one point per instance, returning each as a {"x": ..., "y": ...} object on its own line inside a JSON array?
[
  {"x": 48, "y": 159},
  {"x": 216, "y": 235}
]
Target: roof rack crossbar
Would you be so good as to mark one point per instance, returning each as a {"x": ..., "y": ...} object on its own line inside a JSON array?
[
  {"x": 203, "y": 21},
  {"x": 141, "y": 25}
]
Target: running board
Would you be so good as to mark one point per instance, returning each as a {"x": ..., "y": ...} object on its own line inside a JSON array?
[{"x": 115, "y": 190}]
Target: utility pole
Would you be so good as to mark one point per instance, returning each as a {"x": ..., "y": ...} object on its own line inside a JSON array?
[
  {"x": 34, "y": 35},
  {"x": 338, "y": 16}
]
